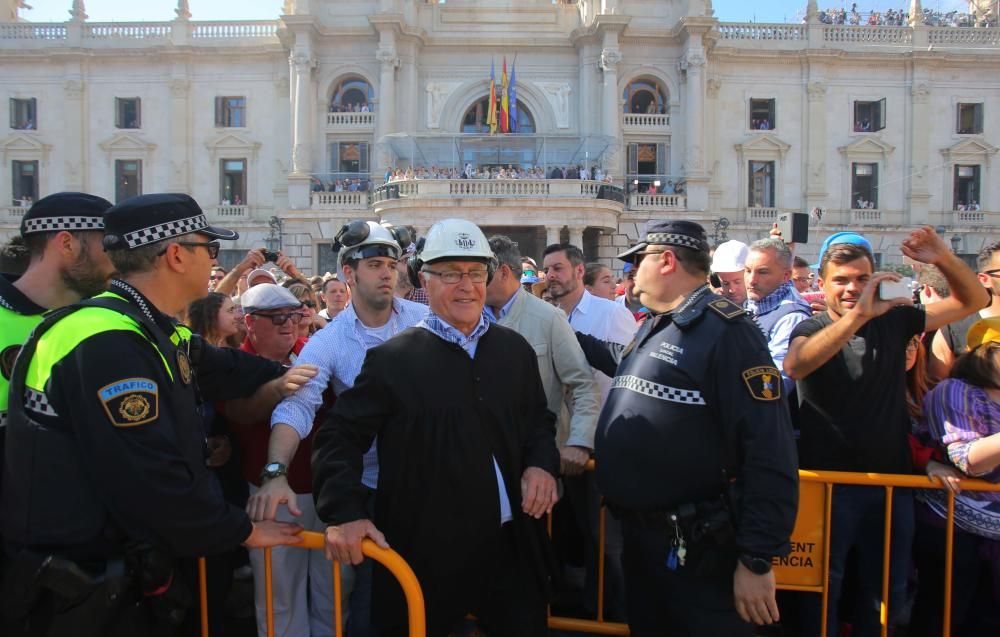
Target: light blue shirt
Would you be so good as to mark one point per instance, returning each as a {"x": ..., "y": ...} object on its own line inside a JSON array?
[
  {"x": 492, "y": 317},
  {"x": 446, "y": 331},
  {"x": 781, "y": 333},
  {"x": 338, "y": 351}
]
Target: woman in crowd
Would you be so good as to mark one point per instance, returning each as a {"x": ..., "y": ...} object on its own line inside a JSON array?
[
  {"x": 963, "y": 415},
  {"x": 216, "y": 318},
  {"x": 310, "y": 306},
  {"x": 598, "y": 280}
]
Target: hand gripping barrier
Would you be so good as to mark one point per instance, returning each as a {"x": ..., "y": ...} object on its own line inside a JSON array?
[{"x": 388, "y": 558}]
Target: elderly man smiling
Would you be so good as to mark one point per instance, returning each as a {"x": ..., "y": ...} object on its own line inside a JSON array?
[{"x": 466, "y": 448}]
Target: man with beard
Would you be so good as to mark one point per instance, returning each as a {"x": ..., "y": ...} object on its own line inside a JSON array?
[
  {"x": 62, "y": 234},
  {"x": 368, "y": 256},
  {"x": 849, "y": 364}
]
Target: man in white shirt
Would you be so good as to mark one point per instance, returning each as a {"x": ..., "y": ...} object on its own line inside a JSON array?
[{"x": 609, "y": 321}]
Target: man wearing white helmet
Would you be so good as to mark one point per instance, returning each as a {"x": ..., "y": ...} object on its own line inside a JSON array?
[
  {"x": 366, "y": 259},
  {"x": 467, "y": 453},
  {"x": 728, "y": 265}
]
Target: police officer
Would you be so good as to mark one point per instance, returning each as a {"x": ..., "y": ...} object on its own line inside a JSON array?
[
  {"x": 695, "y": 452},
  {"x": 105, "y": 479}
]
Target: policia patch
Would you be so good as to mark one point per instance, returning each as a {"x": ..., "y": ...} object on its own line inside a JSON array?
[
  {"x": 130, "y": 402},
  {"x": 764, "y": 383}
]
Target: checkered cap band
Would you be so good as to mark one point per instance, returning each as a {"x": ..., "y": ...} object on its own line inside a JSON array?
[
  {"x": 55, "y": 224},
  {"x": 161, "y": 231},
  {"x": 656, "y": 390},
  {"x": 674, "y": 239},
  {"x": 38, "y": 402}
]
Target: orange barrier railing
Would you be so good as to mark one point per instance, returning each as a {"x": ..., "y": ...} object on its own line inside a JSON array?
[{"x": 388, "y": 558}]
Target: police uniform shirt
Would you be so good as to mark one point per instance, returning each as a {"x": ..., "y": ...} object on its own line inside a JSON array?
[
  {"x": 121, "y": 443},
  {"x": 695, "y": 400},
  {"x": 18, "y": 316}
]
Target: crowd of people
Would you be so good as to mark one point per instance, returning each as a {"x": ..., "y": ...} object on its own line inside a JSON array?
[
  {"x": 470, "y": 171},
  {"x": 441, "y": 395},
  {"x": 900, "y": 18}
]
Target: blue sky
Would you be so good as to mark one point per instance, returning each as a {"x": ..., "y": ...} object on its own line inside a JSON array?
[{"x": 158, "y": 10}]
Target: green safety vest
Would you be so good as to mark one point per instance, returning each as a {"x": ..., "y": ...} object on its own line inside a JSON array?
[
  {"x": 14, "y": 331},
  {"x": 63, "y": 337}
]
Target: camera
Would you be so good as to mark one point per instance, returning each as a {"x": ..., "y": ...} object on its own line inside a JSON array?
[{"x": 269, "y": 256}]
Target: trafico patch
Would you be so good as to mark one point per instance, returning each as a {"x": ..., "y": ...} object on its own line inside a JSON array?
[
  {"x": 130, "y": 402},
  {"x": 764, "y": 382}
]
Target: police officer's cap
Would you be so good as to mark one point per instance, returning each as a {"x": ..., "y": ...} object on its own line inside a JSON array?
[
  {"x": 684, "y": 234},
  {"x": 146, "y": 219},
  {"x": 72, "y": 211}
]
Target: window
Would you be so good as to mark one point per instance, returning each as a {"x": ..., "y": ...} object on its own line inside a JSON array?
[
  {"x": 645, "y": 96},
  {"x": 762, "y": 115},
  {"x": 25, "y": 182},
  {"x": 761, "y": 184},
  {"x": 23, "y": 114},
  {"x": 967, "y": 188},
  {"x": 128, "y": 179},
  {"x": 970, "y": 119},
  {"x": 475, "y": 118},
  {"x": 647, "y": 164},
  {"x": 230, "y": 112},
  {"x": 353, "y": 95},
  {"x": 869, "y": 116},
  {"x": 233, "y": 187},
  {"x": 864, "y": 186},
  {"x": 127, "y": 112}
]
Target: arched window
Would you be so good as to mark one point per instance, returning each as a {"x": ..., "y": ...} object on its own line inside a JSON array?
[
  {"x": 645, "y": 95},
  {"x": 475, "y": 118},
  {"x": 352, "y": 94}
]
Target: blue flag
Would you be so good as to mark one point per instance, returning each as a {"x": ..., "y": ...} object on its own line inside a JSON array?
[{"x": 513, "y": 97}]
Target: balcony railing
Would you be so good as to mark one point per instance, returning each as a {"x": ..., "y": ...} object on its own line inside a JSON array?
[
  {"x": 230, "y": 212},
  {"x": 497, "y": 188},
  {"x": 646, "y": 121},
  {"x": 14, "y": 213},
  {"x": 970, "y": 216},
  {"x": 760, "y": 31},
  {"x": 28, "y": 31},
  {"x": 656, "y": 202},
  {"x": 339, "y": 200},
  {"x": 241, "y": 30},
  {"x": 866, "y": 215},
  {"x": 127, "y": 31},
  {"x": 762, "y": 214},
  {"x": 98, "y": 33},
  {"x": 947, "y": 36},
  {"x": 350, "y": 120},
  {"x": 864, "y": 34}
]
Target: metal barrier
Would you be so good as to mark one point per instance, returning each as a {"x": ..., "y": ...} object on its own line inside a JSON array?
[{"x": 388, "y": 558}]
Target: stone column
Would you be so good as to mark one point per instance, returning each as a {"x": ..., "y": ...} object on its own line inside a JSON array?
[
  {"x": 692, "y": 66},
  {"x": 585, "y": 97},
  {"x": 301, "y": 72},
  {"x": 610, "y": 57},
  {"x": 576, "y": 236},
  {"x": 552, "y": 234},
  {"x": 75, "y": 115},
  {"x": 815, "y": 195},
  {"x": 180, "y": 170},
  {"x": 385, "y": 118},
  {"x": 918, "y": 197}
]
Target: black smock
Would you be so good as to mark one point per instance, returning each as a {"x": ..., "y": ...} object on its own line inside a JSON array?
[
  {"x": 440, "y": 418},
  {"x": 82, "y": 481}
]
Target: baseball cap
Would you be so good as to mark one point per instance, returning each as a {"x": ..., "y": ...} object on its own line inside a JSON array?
[
  {"x": 146, "y": 219},
  {"x": 528, "y": 278},
  {"x": 985, "y": 330},
  {"x": 72, "y": 211},
  {"x": 842, "y": 237},
  {"x": 261, "y": 272},
  {"x": 267, "y": 296},
  {"x": 730, "y": 256}
]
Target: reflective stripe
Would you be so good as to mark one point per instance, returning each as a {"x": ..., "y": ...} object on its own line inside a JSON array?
[
  {"x": 14, "y": 331},
  {"x": 656, "y": 390},
  {"x": 3, "y": 419},
  {"x": 38, "y": 402}
]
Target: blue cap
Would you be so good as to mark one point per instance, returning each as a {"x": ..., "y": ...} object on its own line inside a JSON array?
[
  {"x": 526, "y": 278},
  {"x": 628, "y": 268},
  {"x": 842, "y": 237}
]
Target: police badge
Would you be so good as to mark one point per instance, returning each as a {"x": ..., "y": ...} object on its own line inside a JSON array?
[{"x": 184, "y": 366}]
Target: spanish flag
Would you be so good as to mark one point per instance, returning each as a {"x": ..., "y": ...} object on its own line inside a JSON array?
[
  {"x": 491, "y": 117},
  {"x": 504, "y": 110}
]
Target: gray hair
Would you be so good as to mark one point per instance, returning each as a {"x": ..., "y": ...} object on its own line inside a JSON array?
[
  {"x": 507, "y": 253},
  {"x": 781, "y": 251},
  {"x": 138, "y": 260}
]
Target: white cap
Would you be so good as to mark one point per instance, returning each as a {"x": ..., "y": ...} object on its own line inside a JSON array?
[
  {"x": 267, "y": 296},
  {"x": 730, "y": 256},
  {"x": 261, "y": 273}
]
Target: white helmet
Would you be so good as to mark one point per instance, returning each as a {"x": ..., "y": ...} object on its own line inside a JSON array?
[
  {"x": 365, "y": 239},
  {"x": 452, "y": 239}
]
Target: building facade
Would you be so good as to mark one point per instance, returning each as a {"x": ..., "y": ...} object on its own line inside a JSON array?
[{"x": 873, "y": 128}]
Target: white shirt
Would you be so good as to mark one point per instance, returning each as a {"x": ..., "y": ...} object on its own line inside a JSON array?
[{"x": 606, "y": 320}]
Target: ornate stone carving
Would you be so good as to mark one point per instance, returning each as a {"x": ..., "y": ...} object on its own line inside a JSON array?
[
  {"x": 78, "y": 13},
  {"x": 387, "y": 57},
  {"x": 73, "y": 89},
  {"x": 183, "y": 10},
  {"x": 437, "y": 94},
  {"x": 557, "y": 93},
  {"x": 712, "y": 87},
  {"x": 610, "y": 59},
  {"x": 301, "y": 62},
  {"x": 179, "y": 88},
  {"x": 816, "y": 90},
  {"x": 920, "y": 92},
  {"x": 693, "y": 59}
]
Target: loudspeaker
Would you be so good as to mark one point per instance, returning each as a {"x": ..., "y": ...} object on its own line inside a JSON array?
[{"x": 794, "y": 227}]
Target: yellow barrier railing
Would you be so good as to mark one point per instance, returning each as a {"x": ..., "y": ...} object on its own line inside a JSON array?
[
  {"x": 812, "y": 515},
  {"x": 388, "y": 558}
]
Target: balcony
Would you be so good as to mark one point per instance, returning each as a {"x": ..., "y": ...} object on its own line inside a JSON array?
[
  {"x": 500, "y": 202},
  {"x": 762, "y": 214},
  {"x": 656, "y": 202},
  {"x": 339, "y": 201},
  {"x": 229, "y": 213},
  {"x": 350, "y": 121},
  {"x": 971, "y": 217},
  {"x": 14, "y": 213},
  {"x": 866, "y": 215},
  {"x": 646, "y": 123}
]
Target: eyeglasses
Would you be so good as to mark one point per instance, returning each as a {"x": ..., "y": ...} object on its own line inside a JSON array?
[
  {"x": 212, "y": 247},
  {"x": 451, "y": 277},
  {"x": 281, "y": 319},
  {"x": 310, "y": 304},
  {"x": 638, "y": 256}
]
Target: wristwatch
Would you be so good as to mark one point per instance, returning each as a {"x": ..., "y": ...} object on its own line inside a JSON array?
[
  {"x": 756, "y": 565},
  {"x": 273, "y": 470}
]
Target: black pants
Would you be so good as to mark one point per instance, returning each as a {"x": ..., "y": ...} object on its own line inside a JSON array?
[{"x": 676, "y": 603}]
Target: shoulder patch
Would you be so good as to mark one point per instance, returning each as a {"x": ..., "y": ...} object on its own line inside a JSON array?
[
  {"x": 726, "y": 309},
  {"x": 130, "y": 402},
  {"x": 764, "y": 383}
]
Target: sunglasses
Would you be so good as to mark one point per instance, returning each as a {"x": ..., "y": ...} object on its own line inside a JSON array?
[
  {"x": 213, "y": 247},
  {"x": 281, "y": 319}
]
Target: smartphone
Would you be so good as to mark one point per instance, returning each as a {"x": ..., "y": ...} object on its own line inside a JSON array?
[
  {"x": 269, "y": 256},
  {"x": 902, "y": 289}
]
